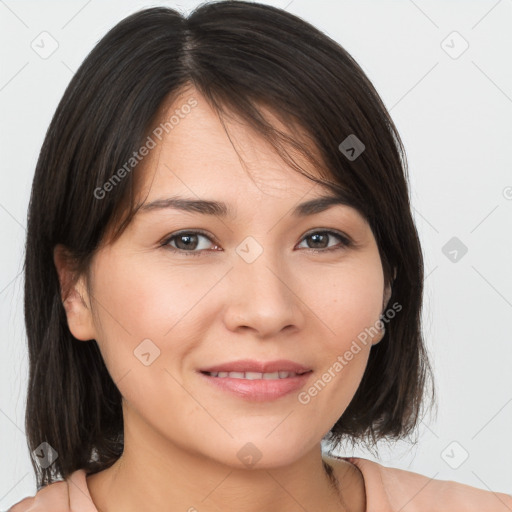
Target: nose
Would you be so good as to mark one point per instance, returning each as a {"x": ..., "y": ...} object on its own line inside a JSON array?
[{"x": 262, "y": 296}]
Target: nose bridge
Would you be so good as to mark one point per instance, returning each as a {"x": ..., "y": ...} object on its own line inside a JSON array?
[
  {"x": 259, "y": 267},
  {"x": 262, "y": 295}
]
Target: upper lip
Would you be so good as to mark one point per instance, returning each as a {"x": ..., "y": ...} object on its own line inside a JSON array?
[{"x": 250, "y": 365}]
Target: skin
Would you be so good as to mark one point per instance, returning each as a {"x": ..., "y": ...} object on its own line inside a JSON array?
[{"x": 181, "y": 434}]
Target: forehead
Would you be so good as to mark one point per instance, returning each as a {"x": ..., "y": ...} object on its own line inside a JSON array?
[
  {"x": 194, "y": 152},
  {"x": 200, "y": 165}
]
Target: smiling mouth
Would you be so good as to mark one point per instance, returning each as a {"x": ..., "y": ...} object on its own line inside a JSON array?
[
  {"x": 255, "y": 375},
  {"x": 258, "y": 386}
]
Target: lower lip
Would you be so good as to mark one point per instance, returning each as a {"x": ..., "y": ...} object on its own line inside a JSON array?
[{"x": 259, "y": 390}]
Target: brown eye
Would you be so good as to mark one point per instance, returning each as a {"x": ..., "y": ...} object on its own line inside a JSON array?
[
  {"x": 319, "y": 241},
  {"x": 187, "y": 243}
]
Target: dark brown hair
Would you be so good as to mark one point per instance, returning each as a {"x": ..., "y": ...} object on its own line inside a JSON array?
[{"x": 241, "y": 57}]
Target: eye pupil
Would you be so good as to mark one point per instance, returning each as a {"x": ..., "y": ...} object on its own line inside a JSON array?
[
  {"x": 316, "y": 236},
  {"x": 187, "y": 244}
]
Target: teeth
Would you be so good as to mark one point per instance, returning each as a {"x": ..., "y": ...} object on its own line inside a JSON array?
[{"x": 253, "y": 375}]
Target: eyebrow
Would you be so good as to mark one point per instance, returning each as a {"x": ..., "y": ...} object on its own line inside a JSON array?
[{"x": 221, "y": 209}]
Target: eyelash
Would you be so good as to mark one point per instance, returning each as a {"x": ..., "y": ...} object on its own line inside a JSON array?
[{"x": 345, "y": 242}]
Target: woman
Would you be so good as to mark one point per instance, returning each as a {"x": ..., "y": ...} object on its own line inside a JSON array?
[{"x": 246, "y": 138}]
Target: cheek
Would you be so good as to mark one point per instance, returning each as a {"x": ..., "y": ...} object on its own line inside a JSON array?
[
  {"x": 136, "y": 302},
  {"x": 146, "y": 299},
  {"x": 348, "y": 299},
  {"x": 349, "y": 305},
  {"x": 129, "y": 309}
]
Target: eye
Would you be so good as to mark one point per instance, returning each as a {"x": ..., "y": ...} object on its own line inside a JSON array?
[
  {"x": 320, "y": 238},
  {"x": 186, "y": 242}
]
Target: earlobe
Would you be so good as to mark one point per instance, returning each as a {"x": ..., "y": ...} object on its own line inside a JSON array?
[{"x": 74, "y": 296}]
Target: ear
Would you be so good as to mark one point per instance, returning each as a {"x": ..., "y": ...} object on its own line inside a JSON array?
[
  {"x": 387, "y": 296},
  {"x": 385, "y": 300},
  {"x": 387, "y": 291},
  {"x": 74, "y": 296}
]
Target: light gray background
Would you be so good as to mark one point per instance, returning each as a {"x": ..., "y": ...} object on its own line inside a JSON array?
[{"x": 454, "y": 115}]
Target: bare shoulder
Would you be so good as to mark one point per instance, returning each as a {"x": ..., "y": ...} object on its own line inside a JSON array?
[
  {"x": 51, "y": 497},
  {"x": 23, "y": 505},
  {"x": 351, "y": 481},
  {"x": 409, "y": 490},
  {"x": 473, "y": 498}
]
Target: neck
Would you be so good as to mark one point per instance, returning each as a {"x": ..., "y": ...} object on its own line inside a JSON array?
[{"x": 154, "y": 474}]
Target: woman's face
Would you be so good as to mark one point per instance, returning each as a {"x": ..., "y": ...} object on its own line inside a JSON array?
[{"x": 249, "y": 286}]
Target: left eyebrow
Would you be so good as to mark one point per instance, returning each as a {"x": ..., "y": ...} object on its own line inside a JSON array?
[{"x": 221, "y": 209}]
